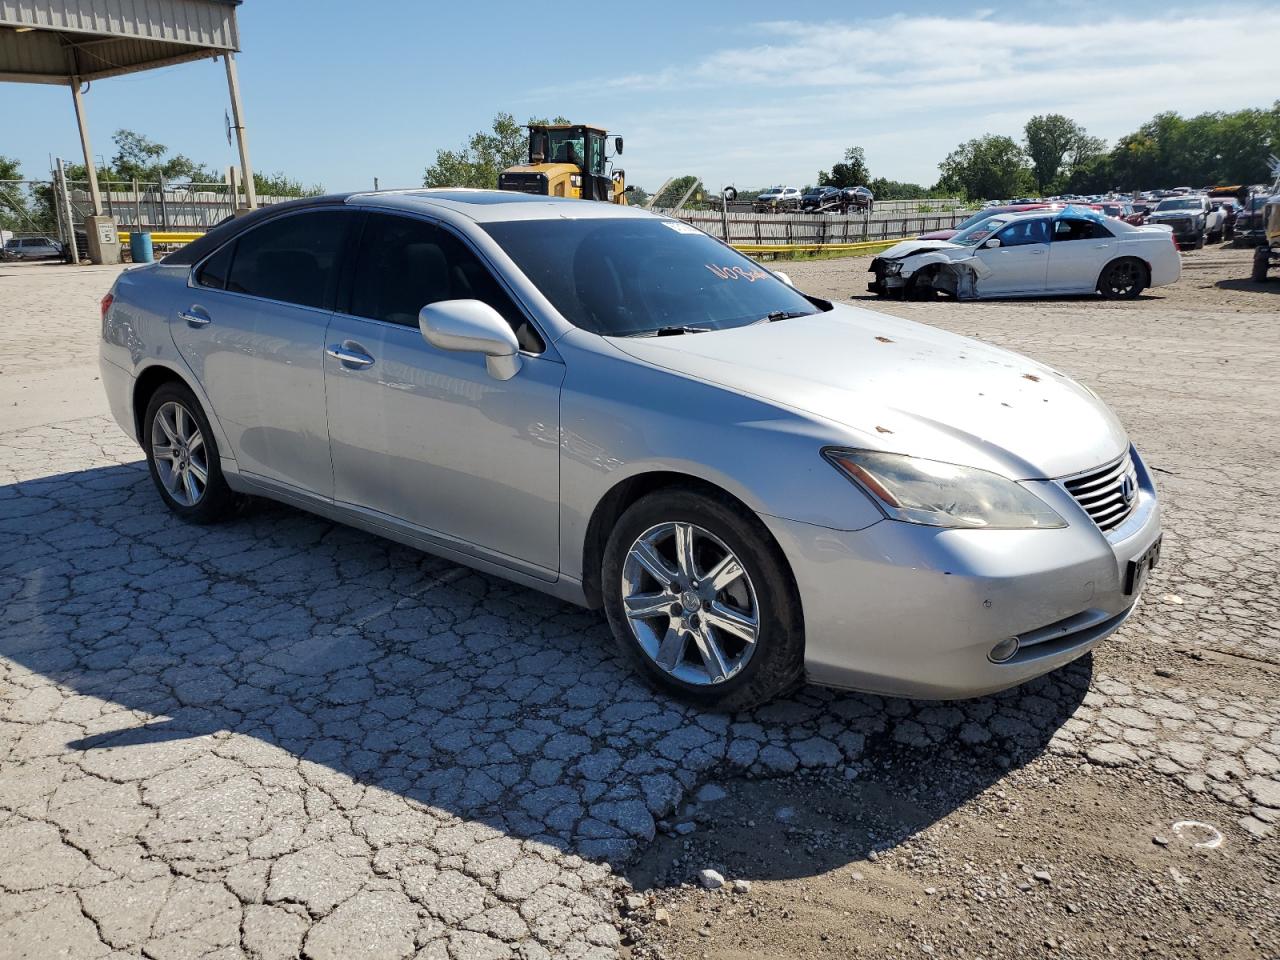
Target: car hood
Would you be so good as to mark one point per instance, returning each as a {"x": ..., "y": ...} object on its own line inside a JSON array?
[
  {"x": 905, "y": 387},
  {"x": 908, "y": 247},
  {"x": 1161, "y": 214}
]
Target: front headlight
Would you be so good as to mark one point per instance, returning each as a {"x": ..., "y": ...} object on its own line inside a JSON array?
[
  {"x": 893, "y": 268},
  {"x": 942, "y": 494}
]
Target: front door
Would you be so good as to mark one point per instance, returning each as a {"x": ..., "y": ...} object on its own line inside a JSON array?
[
  {"x": 1020, "y": 263},
  {"x": 251, "y": 324},
  {"x": 426, "y": 436}
]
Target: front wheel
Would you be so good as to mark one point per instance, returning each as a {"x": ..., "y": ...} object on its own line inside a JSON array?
[
  {"x": 182, "y": 456},
  {"x": 1122, "y": 279},
  {"x": 701, "y": 600},
  {"x": 1261, "y": 261}
]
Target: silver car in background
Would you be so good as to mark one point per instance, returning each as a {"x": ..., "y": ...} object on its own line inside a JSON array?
[{"x": 756, "y": 485}]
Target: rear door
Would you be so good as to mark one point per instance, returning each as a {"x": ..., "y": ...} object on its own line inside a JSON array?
[
  {"x": 1020, "y": 263},
  {"x": 1081, "y": 247},
  {"x": 251, "y": 325}
]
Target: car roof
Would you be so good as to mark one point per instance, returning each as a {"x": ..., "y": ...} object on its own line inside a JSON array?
[{"x": 490, "y": 206}]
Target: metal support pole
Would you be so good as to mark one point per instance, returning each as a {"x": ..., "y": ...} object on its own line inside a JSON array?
[
  {"x": 237, "y": 115},
  {"x": 71, "y": 247},
  {"x": 164, "y": 205},
  {"x": 94, "y": 193}
]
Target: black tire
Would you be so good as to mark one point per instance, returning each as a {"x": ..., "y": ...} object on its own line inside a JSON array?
[
  {"x": 1261, "y": 262},
  {"x": 1123, "y": 279},
  {"x": 1200, "y": 242},
  {"x": 216, "y": 500},
  {"x": 776, "y": 662}
]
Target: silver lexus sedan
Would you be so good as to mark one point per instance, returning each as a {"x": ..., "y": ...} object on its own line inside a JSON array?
[{"x": 757, "y": 486}]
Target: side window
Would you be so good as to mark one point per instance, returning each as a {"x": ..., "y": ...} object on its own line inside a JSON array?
[
  {"x": 1071, "y": 229},
  {"x": 294, "y": 259},
  {"x": 1024, "y": 232},
  {"x": 213, "y": 272},
  {"x": 405, "y": 264}
]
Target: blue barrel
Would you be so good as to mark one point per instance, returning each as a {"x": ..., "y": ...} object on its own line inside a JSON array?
[{"x": 140, "y": 246}]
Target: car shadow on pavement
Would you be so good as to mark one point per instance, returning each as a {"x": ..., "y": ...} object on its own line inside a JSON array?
[
  {"x": 1250, "y": 286},
  {"x": 468, "y": 697}
]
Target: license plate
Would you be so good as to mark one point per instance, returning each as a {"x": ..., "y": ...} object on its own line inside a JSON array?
[{"x": 1140, "y": 568}]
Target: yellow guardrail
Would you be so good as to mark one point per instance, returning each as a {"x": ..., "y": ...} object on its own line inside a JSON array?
[{"x": 165, "y": 236}]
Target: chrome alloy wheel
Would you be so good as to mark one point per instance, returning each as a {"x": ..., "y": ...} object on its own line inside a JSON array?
[
  {"x": 690, "y": 603},
  {"x": 177, "y": 447}
]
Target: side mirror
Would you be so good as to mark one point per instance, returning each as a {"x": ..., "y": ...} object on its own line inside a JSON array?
[
  {"x": 993, "y": 242},
  {"x": 630, "y": 188},
  {"x": 617, "y": 144},
  {"x": 470, "y": 326},
  {"x": 785, "y": 278}
]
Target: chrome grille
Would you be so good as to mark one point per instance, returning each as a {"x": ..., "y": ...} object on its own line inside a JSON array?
[{"x": 1102, "y": 492}]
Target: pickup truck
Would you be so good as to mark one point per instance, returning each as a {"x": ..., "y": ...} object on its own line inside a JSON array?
[
  {"x": 1268, "y": 254},
  {"x": 1191, "y": 218}
]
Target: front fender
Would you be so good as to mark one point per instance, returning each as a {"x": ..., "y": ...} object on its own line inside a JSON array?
[{"x": 620, "y": 419}]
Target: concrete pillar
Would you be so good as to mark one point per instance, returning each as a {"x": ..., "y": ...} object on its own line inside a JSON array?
[{"x": 237, "y": 116}]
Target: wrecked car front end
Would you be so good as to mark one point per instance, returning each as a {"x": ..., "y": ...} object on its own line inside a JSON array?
[{"x": 924, "y": 267}]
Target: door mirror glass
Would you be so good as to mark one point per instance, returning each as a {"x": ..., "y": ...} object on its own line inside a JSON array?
[
  {"x": 471, "y": 326},
  {"x": 617, "y": 145},
  {"x": 785, "y": 278},
  {"x": 993, "y": 242}
]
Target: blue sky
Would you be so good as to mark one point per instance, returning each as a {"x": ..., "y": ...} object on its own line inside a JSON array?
[{"x": 748, "y": 93}]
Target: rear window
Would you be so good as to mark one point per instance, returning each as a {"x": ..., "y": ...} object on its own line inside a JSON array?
[{"x": 293, "y": 259}]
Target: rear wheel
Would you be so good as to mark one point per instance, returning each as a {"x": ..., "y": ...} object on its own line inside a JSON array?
[
  {"x": 701, "y": 600},
  {"x": 1123, "y": 279},
  {"x": 1200, "y": 242},
  {"x": 182, "y": 456}
]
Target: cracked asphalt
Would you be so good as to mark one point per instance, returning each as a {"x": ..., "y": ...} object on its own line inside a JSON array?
[{"x": 280, "y": 737}]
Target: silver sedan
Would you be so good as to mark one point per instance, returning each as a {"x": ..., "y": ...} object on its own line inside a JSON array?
[{"x": 757, "y": 486}]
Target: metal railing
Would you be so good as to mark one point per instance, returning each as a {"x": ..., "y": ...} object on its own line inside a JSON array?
[{"x": 779, "y": 229}]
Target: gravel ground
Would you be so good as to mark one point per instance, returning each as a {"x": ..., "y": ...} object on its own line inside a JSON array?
[{"x": 280, "y": 737}]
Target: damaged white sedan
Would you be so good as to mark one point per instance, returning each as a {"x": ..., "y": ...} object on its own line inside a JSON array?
[{"x": 1072, "y": 250}]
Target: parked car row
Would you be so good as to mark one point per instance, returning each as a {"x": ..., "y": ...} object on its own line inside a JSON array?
[{"x": 814, "y": 200}]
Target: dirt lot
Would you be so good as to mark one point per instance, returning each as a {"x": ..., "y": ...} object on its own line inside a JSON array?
[{"x": 278, "y": 737}]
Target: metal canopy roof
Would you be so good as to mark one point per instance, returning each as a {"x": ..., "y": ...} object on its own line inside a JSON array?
[{"x": 53, "y": 41}]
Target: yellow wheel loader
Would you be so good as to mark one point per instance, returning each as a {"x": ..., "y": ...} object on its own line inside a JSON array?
[{"x": 568, "y": 160}]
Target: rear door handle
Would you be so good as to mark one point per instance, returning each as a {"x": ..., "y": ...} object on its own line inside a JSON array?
[
  {"x": 195, "y": 316},
  {"x": 350, "y": 354}
]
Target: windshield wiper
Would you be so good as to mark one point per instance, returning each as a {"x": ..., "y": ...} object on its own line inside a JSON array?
[{"x": 676, "y": 331}]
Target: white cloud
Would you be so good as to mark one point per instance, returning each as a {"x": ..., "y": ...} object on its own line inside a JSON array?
[{"x": 789, "y": 97}]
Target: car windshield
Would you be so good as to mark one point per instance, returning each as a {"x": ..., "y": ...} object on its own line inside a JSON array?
[
  {"x": 631, "y": 277},
  {"x": 976, "y": 218},
  {"x": 974, "y": 235},
  {"x": 1179, "y": 203}
]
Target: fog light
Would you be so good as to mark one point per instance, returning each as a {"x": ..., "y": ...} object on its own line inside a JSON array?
[{"x": 1003, "y": 651}]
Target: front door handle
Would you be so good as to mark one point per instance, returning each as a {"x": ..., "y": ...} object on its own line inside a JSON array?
[
  {"x": 195, "y": 316},
  {"x": 1101, "y": 246},
  {"x": 349, "y": 354}
]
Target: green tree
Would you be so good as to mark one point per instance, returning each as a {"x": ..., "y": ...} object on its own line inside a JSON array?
[
  {"x": 15, "y": 213},
  {"x": 850, "y": 172},
  {"x": 279, "y": 184},
  {"x": 897, "y": 190},
  {"x": 141, "y": 158},
  {"x": 486, "y": 154},
  {"x": 987, "y": 167},
  {"x": 1056, "y": 145}
]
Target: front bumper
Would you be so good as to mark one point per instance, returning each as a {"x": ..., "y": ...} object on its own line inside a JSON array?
[{"x": 908, "y": 610}]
